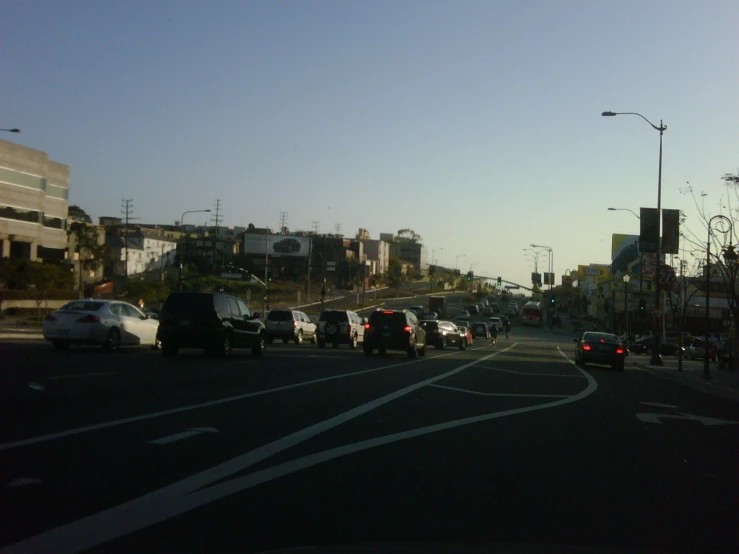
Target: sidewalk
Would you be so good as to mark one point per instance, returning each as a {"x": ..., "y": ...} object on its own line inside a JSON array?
[
  {"x": 11, "y": 329},
  {"x": 723, "y": 383}
]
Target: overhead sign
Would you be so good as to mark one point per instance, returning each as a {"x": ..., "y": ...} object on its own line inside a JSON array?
[
  {"x": 649, "y": 229},
  {"x": 277, "y": 246},
  {"x": 670, "y": 231}
]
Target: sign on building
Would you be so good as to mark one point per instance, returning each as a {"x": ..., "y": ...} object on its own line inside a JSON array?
[{"x": 277, "y": 246}]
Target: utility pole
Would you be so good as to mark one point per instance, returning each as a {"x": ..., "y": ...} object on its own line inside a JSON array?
[
  {"x": 283, "y": 223},
  {"x": 127, "y": 210},
  {"x": 314, "y": 224},
  {"x": 217, "y": 219},
  {"x": 337, "y": 229}
]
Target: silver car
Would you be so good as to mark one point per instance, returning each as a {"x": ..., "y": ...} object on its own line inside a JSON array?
[
  {"x": 290, "y": 325},
  {"x": 108, "y": 323}
]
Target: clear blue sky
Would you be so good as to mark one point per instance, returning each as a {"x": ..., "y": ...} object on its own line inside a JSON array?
[{"x": 475, "y": 123}]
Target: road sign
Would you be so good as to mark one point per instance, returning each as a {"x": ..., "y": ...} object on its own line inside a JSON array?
[{"x": 666, "y": 275}]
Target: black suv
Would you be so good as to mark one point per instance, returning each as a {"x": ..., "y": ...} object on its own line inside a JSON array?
[
  {"x": 441, "y": 334},
  {"x": 214, "y": 321},
  {"x": 394, "y": 330}
]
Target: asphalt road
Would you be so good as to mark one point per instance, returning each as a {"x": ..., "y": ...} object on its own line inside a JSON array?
[{"x": 511, "y": 444}]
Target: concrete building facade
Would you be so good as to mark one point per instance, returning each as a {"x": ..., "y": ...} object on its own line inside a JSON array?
[{"x": 34, "y": 202}]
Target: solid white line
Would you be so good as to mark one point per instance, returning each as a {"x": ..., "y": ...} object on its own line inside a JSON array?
[
  {"x": 503, "y": 394},
  {"x": 81, "y": 375},
  {"x": 144, "y": 417},
  {"x": 658, "y": 405},
  {"x": 526, "y": 373},
  {"x": 184, "y": 435},
  {"x": 186, "y": 495},
  {"x": 22, "y": 481}
]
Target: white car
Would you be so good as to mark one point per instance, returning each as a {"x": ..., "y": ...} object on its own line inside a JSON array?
[
  {"x": 495, "y": 322},
  {"x": 108, "y": 323}
]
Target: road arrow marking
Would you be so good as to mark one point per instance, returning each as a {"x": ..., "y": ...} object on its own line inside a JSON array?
[
  {"x": 655, "y": 418},
  {"x": 658, "y": 405},
  {"x": 24, "y": 481},
  {"x": 185, "y": 434}
]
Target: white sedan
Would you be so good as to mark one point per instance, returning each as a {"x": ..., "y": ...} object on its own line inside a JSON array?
[{"x": 108, "y": 323}]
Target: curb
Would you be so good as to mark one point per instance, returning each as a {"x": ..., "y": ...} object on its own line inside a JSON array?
[{"x": 705, "y": 387}]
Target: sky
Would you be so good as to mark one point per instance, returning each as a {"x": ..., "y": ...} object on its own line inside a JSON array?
[{"x": 475, "y": 123}]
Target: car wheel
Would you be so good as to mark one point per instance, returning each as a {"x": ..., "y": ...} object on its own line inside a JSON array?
[
  {"x": 441, "y": 345},
  {"x": 621, "y": 366},
  {"x": 422, "y": 350},
  {"x": 463, "y": 344},
  {"x": 313, "y": 339},
  {"x": 353, "y": 342},
  {"x": 321, "y": 343},
  {"x": 259, "y": 348},
  {"x": 60, "y": 344},
  {"x": 381, "y": 351},
  {"x": 169, "y": 348},
  {"x": 112, "y": 341},
  {"x": 285, "y": 341},
  {"x": 223, "y": 348},
  {"x": 367, "y": 351},
  {"x": 299, "y": 338},
  {"x": 412, "y": 351}
]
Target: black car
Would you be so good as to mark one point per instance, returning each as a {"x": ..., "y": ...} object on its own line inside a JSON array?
[
  {"x": 480, "y": 330},
  {"x": 215, "y": 322},
  {"x": 441, "y": 334},
  {"x": 287, "y": 246},
  {"x": 646, "y": 344},
  {"x": 600, "y": 348},
  {"x": 394, "y": 330}
]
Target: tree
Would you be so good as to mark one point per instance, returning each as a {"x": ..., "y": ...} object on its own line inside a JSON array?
[
  {"x": 394, "y": 274},
  {"x": 75, "y": 213},
  {"x": 92, "y": 255},
  {"x": 408, "y": 235},
  {"x": 722, "y": 238}
]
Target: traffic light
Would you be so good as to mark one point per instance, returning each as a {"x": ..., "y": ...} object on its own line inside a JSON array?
[
  {"x": 469, "y": 275},
  {"x": 500, "y": 281},
  {"x": 642, "y": 307}
]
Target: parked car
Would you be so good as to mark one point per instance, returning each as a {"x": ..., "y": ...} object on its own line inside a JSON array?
[
  {"x": 290, "y": 325},
  {"x": 213, "y": 321},
  {"x": 697, "y": 349},
  {"x": 467, "y": 333},
  {"x": 107, "y": 323},
  {"x": 394, "y": 330},
  {"x": 337, "y": 327},
  {"x": 441, "y": 334},
  {"x": 600, "y": 348},
  {"x": 480, "y": 329},
  {"x": 645, "y": 345}
]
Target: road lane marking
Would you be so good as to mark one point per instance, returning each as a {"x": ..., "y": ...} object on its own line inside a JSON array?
[
  {"x": 190, "y": 493},
  {"x": 658, "y": 405},
  {"x": 526, "y": 373},
  {"x": 81, "y": 375},
  {"x": 22, "y": 481},
  {"x": 185, "y": 434},
  {"x": 144, "y": 417},
  {"x": 503, "y": 394},
  {"x": 656, "y": 418}
]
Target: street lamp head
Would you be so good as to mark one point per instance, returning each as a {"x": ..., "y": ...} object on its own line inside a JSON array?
[
  {"x": 730, "y": 255},
  {"x": 206, "y": 210},
  {"x": 608, "y": 114},
  {"x": 611, "y": 209}
]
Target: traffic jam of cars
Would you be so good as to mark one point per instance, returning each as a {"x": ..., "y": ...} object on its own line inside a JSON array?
[{"x": 219, "y": 323}]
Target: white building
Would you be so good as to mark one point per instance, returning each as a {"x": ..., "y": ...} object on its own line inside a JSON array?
[{"x": 147, "y": 251}]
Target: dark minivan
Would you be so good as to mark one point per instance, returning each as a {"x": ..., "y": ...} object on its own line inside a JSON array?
[
  {"x": 394, "y": 330},
  {"x": 213, "y": 321}
]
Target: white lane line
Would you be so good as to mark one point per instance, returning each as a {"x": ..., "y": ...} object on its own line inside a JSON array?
[
  {"x": 184, "y": 435},
  {"x": 527, "y": 373},
  {"x": 658, "y": 405},
  {"x": 22, "y": 481},
  {"x": 144, "y": 417},
  {"x": 190, "y": 493},
  {"x": 503, "y": 394},
  {"x": 81, "y": 375}
]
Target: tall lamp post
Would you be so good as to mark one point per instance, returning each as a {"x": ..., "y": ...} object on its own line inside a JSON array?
[
  {"x": 551, "y": 260},
  {"x": 182, "y": 249},
  {"x": 656, "y": 356},
  {"x": 626, "y": 278},
  {"x": 730, "y": 257}
]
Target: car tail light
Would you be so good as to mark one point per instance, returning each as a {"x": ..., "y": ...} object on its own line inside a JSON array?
[
  {"x": 619, "y": 350},
  {"x": 366, "y": 325},
  {"x": 407, "y": 329},
  {"x": 294, "y": 324},
  {"x": 49, "y": 317},
  {"x": 388, "y": 312},
  {"x": 89, "y": 319},
  {"x": 586, "y": 346}
]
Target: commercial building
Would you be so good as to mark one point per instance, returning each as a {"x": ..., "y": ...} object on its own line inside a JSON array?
[
  {"x": 413, "y": 253},
  {"x": 34, "y": 194}
]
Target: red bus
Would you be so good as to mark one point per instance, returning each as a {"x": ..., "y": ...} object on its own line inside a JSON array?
[{"x": 531, "y": 314}]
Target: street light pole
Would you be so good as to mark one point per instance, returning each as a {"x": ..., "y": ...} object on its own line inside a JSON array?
[
  {"x": 182, "y": 248},
  {"x": 626, "y": 279},
  {"x": 656, "y": 356},
  {"x": 551, "y": 261},
  {"x": 707, "y": 313}
]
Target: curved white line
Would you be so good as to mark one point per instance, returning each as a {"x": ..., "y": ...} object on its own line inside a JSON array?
[{"x": 189, "y": 493}]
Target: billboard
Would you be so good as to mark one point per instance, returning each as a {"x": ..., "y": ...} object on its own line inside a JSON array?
[
  {"x": 277, "y": 246},
  {"x": 670, "y": 231},
  {"x": 625, "y": 258}
]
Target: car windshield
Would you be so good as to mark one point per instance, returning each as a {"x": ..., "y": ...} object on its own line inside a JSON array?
[
  {"x": 280, "y": 315},
  {"x": 184, "y": 304},
  {"x": 333, "y": 317},
  {"x": 388, "y": 318},
  {"x": 601, "y": 337}
]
